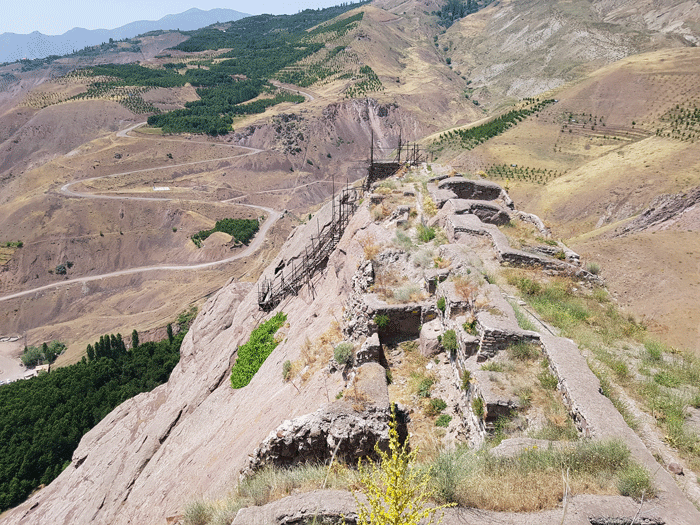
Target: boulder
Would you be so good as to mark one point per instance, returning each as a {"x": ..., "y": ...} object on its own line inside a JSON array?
[
  {"x": 429, "y": 344},
  {"x": 370, "y": 351}
]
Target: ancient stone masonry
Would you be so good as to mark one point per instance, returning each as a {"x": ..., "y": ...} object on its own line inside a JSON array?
[{"x": 346, "y": 430}]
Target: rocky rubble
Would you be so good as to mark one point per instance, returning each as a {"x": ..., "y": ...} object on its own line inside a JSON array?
[{"x": 346, "y": 430}]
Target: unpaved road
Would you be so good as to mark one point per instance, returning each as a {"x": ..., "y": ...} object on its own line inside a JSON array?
[{"x": 273, "y": 216}]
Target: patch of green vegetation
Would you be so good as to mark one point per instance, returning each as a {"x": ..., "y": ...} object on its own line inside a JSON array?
[
  {"x": 443, "y": 420},
  {"x": 435, "y": 406},
  {"x": 425, "y": 233},
  {"x": 441, "y": 304},
  {"x": 449, "y": 341},
  {"x": 466, "y": 377},
  {"x": 469, "y": 138},
  {"x": 470, "y": 327},
  {"x": 524, "y": 174},
  {"x": 381, "y": 320},
  {"x": 287, "y": 370},
  {"x": 42, "y": 355},
  {"x": 343, "y": 352},
  {"x": 492, "y": 367},
  {"x": 478, "y": 407},
  {"x": 43, "y": 419},
  {"x": 523, "y": 320},
  {"x": 424, "y": 387},
  {"x": 252, "y": 354},
  {"x": 242, "y": 230},
  {"x": 368, "y": 81},
  {"x": 523, "y": 351}
]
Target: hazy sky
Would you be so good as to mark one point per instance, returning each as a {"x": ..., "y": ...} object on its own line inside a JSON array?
[{"x": 55, "y": 17}]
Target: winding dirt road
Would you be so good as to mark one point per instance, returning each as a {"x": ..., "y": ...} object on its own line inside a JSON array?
[{"x": 273, "y": 216}]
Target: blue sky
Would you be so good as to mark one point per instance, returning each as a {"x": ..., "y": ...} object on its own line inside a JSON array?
[{"x": 55, "y": 17}]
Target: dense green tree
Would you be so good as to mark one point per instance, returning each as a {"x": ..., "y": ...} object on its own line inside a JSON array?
[{"x": 43, "y": 419}]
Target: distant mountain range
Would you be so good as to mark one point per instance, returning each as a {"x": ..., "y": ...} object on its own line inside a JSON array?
[{"x": 37, "y": 45}]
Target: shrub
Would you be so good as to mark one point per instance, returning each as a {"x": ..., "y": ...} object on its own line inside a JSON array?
[
  {"x": 425, "y": 233},
  {"x": 197, "y": 513},
  {"x": 435, "y": 406},
  {"x": 343, "y": 353},
  {"x": 449, "y": 341},
  {"x": 443, "y": 420},
  {"x": 635, "y": 482},
  {"x": 470, "y": 327},
  {"x": 478, "y": 407},
  {"x": 424, "y": 387},
  {"x": 397, "y": 492},
  {"x": 593, "y": 268},
  {"x": 466, "y": 378},
  {"x": 286, "y": 370},
  {"x": 381, "y": 320},
  {"x": 253, "y": 353},
  {"x": 441, "y": 304}
]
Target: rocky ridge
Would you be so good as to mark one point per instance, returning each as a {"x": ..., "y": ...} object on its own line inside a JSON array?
[{"x": 193, "y": 436}]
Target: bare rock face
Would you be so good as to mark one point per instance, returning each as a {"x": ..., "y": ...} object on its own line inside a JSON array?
[
  {"x": 346, "y": 429},
  {"x": 192, "y": 436}
]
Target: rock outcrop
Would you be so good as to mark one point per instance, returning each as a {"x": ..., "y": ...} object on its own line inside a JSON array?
[
  {"x": 192, "y": 436},
  {"x": 345, "y": 430}
]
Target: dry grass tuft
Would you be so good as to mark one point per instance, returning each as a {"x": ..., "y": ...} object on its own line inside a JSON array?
[
  {"x": 369, "y": 245},
  {"x": 315, "y": 354},
  {"x": 465, "y": 287}
]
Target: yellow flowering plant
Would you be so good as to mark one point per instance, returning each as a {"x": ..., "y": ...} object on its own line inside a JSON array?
[{"x": 397, "y": 491}]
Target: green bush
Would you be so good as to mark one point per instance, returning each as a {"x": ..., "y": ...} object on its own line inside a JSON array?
[
  {"x": 449, "y": 341},
  {"x": 435, "y": 406},
  {"x": 470, "y": 327},
  {"x": 343, "y": 353},
  {"x": 286, "y": 370},
  {"x": 424, "y": 387},
  {"x": 478, "y": 407},
  {"x": 381, "y": 320},
  {"x": 441, "y": 304},
  {"x": 635, "y": 482},
  {"x": 466, "y": 379},
  {"x": 443, "y": 420},
  {"x": 44, "y": 355},
  {"x": 425, "y": 233},
  {"x": 252, "y": 354}
]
